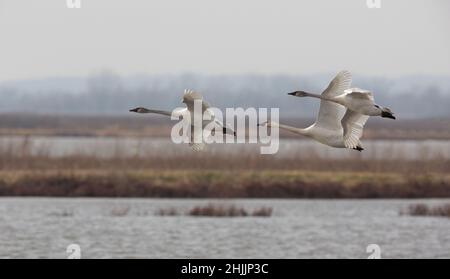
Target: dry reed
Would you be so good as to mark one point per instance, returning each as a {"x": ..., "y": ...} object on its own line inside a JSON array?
[
  {"x": 217, "y": 210},
  {"x": 442, "y": 210}
]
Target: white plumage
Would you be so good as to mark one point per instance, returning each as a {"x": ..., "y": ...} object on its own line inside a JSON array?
[
  {"x": 355, "y": 99},
  {"x": 335, "y": 126},
  {"x": 196, "y": 132}
]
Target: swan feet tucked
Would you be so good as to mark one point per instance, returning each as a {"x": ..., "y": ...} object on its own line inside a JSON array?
[
  {"x": 225, "y": 131},
  {"x": 359, "y": 148}
]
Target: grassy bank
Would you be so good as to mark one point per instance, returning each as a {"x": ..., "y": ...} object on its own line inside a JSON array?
[
  {"x": 25, "y": 171},
  {"x": 223, "y": 184}
]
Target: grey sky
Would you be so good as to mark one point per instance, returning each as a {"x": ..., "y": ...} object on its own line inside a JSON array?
[{"x": 45, "y": 38}]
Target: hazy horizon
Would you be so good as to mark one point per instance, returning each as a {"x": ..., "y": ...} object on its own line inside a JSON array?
[{"x": 110, "y": 93}]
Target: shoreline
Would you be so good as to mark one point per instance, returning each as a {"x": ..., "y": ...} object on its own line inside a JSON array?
[{"x": 223, "y": 184}]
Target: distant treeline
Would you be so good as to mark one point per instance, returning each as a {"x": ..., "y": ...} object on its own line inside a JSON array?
[{"x": 107, "y": 93}]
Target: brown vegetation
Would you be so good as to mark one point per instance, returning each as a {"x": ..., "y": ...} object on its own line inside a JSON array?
[
  {"x": 24, "y": 172},
  {"x": 426, "y": 210},
  {"x": 218, "y": 210},
  {"x": 228, "y": 211},
  {"x": 171, "y": 211},
  {"x": 222, "y": 184},
  {"x": 120, "y": 211}
]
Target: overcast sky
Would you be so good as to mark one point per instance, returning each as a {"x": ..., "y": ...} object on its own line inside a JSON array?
[{"x": 44, "y": 38}]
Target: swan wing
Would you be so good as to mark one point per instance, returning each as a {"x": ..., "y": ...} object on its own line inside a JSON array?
[
  {"x": 358, "y": 93},
  {"x": 330, "y": 113},
  {"x": 353, "y": 124},
  {"x": 191, "y": 96},
  {"x": 341, "y": 82},
  {"x": 226, "y": 129}
]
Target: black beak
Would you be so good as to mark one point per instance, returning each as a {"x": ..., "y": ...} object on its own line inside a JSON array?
[
  {"x": 134, "y": 110},
  {"x": 386, "y": 114},
  {"x": 292, "y": 93}
]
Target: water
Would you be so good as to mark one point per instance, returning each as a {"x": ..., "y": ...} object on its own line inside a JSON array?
[
  {"x": 44, "y": 227},
  {"x": 288, "y": 148}
]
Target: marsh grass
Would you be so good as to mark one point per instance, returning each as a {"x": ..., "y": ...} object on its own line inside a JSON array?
[
  {"x": 442, "y": 210},
  {"x": 217, "y": 210},
  {"x": 120, "y": 211},
  {"x": 171, "y": 211},
  {"x": 21, "y": 156},
  {"x": 222, "y": 184},
  {"x": 27, "y": 173}
]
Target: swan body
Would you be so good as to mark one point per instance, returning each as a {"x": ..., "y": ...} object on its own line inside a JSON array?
[
  {"x": 355, "y": 99},
  {"x": 188, "y": 114},
  {"x": 335, "y": 125}
]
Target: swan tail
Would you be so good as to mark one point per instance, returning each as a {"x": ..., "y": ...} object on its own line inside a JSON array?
[{"x": 268, "y": 124}]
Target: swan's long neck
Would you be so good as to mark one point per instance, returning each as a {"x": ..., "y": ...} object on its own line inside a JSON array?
[
  {"x": 145, "y": 110},
  {"x": 318, "y": 96},
  {"x": 291, "y": 129}
]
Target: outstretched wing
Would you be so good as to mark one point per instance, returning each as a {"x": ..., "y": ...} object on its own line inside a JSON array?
[
  {"x": 353, "y": 124},
  {"x": 341, "y": 82},
  {"x": 190, "y": 97},
  {"x": 359, "y": 93},
  {"x": 330, "y": 113},
  {"x": 225, "y": 128}
]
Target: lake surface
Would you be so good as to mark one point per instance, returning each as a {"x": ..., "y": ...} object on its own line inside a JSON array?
[
  {"x": 288, "y": 148},
  {"x": 129, "y": 228}
]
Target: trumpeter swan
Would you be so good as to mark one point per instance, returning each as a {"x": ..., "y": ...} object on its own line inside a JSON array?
[
  {"x": 189, "y": 97},
  {"x": 355, "y": 99},
  {"x": 335, "y": 126}
]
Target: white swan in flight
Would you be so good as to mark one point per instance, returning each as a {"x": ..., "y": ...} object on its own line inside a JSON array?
[
  {"x": 335, "y": 126},
  {"x": 355, "y": 99},
  {"x": 189, "y": 97}
]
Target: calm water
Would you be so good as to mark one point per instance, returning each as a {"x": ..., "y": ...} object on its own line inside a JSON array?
[
  {"x": 294, "y": 148},
  {"x": 43, "y": 228}
]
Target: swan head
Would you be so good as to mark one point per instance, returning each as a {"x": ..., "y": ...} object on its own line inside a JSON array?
[
  {"x": 386, "y": 112},
  {"x": 139, "y": 110},
  {"x": 298, "y": 94}
]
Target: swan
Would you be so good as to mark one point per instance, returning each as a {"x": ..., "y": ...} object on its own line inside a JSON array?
[
  {"x": 335, "y": 125},
  {"x": 355, "y": 99},
  {"x": 189, "y": 97}
]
